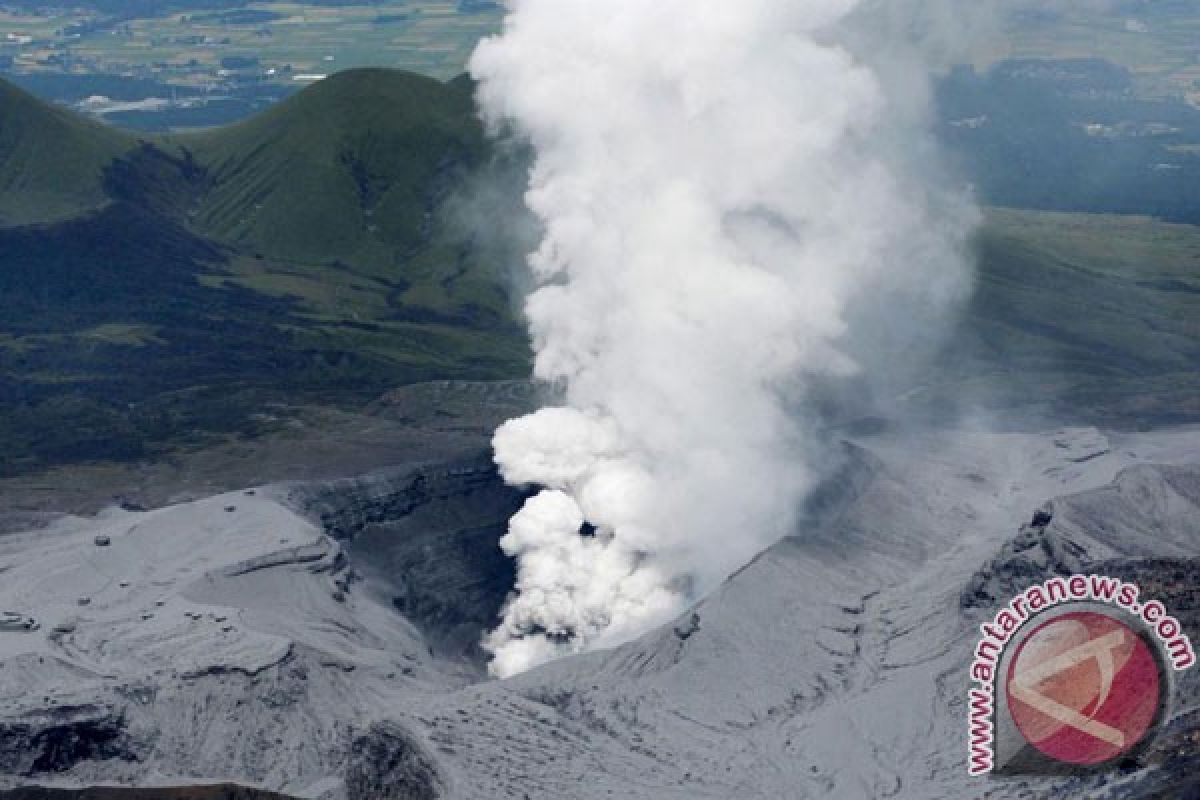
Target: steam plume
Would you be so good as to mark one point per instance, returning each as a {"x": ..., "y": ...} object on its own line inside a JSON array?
[{"x": 738, "y": 199}]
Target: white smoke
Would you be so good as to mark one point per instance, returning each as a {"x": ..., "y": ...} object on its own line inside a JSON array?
[{"x": 738, "y": 199}]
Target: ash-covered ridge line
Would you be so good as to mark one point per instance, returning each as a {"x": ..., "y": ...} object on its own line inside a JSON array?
[
  {"x": 225, "y": 638},
  {"x": 231, "y": 654},
  {"x": 835, "y": 664}
]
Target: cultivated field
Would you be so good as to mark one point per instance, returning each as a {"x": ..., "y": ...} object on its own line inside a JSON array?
[
  {"x": 274, "y": 41},
  {"x": 1159, "y": 42}
]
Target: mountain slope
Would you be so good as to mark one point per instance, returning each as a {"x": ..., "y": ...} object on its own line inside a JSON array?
[
  {"x": 347, "y": 167},
  {"x": 175, "y": 286},
  {"x": 51, "y": 160},
  {"x": 180, "y": 284},
  {"x": 1082, "y": 317},
  {"x": 304, "y": 654},
  {"x": 837, "y": 662}
]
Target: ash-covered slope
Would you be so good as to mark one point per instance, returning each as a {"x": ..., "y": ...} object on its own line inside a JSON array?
[
  {"x": 836, "y": 664},
  {"x": 215, "y": 639},
  {"x": 426, "y": 541},
  {"x": 264, "y": 644},
  {"x": 232, "y": 639}
]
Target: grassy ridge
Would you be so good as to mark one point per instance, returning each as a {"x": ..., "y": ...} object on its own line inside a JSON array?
[
  {"x": 302, "y": 256},
  {"x": 203, "y": 285},
  {"x": 51, "y": 160},
  {"x": 347, "y": 169},
  {"x": 1086, "y": 317}
]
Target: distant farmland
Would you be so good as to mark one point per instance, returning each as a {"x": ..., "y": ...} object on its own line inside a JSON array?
[{"x": 268, "y": 41}]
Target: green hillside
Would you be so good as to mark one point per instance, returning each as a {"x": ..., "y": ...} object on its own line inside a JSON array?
[
  {"x": 336, "y": 193},
  {"x": 351, "y": 166},
  {"x": 207, "y": 282},
  {"x": 51, "y": 160},
  {"x": 1089, "y": 317},
  {"x": 160, "y": 292}
]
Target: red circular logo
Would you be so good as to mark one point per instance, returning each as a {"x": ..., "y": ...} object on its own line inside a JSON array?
[{"x": 1084, "y": 688}]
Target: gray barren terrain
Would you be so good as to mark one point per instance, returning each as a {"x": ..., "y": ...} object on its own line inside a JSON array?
[{"x": 318, "y": 636}]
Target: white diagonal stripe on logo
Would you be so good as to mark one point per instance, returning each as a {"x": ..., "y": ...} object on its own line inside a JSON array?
[{"x": 1101, "y": 650}]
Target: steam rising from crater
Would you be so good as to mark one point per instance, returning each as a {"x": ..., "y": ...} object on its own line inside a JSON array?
[{"x": 739, "y": 200}]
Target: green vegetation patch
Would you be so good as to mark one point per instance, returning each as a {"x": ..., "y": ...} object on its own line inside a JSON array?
[
  {"x": 1092, "y": 318},
  {"x": 1156, "y": 40},
  {"x": 52, "y": 162},
  {"x": 304, "y": 256}
]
